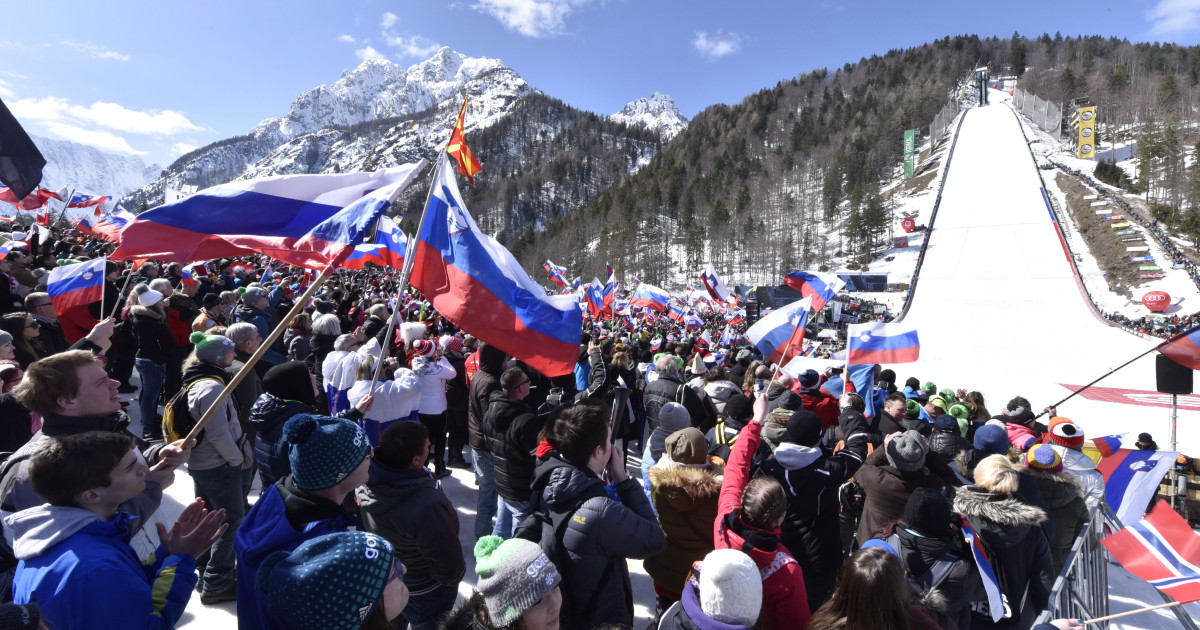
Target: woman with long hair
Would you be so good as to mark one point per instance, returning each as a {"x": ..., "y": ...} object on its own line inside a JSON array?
[
  {"x": 871, "y": 595},
  {"x": 24, "y": 330}
]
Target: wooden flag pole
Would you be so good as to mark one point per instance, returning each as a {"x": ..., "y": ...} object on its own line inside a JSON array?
[
  {"x": 258, "y": 354},
  {"x": 1130, "y": 612},
  {"x": 117, "y": 307}
]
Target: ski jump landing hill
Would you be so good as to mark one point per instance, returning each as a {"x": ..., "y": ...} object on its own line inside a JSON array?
[{"x": 998, "y": 307}]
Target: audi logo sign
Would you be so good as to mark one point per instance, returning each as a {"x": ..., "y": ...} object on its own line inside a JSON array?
[{"x": 1156, "y": 301}]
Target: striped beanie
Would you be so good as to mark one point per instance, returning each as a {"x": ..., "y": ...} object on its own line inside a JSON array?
[
  {"x": 514, "y": 575},
  {"x": 1044, "y": 458},
  {"x": 1065, "y": 432}
]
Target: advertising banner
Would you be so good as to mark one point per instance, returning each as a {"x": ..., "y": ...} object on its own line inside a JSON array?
[{"x": 910, "y": 146}]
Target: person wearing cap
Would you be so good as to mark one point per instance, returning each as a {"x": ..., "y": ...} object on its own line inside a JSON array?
[
  {"x": 671, "y": 418},
  {"x": 779, "y": 392},
  {"x": 434, "y": 371},
  {"x": 253, "y": 309},
  {"x": 155, "y": 345},
  {"x": 339, "y": 581},
  {"x": 889, "y": 475},
  {"x": 1012, "y": 531},
  {"x": 210, "y": 315},
  {"x": 817, "y": 401},
  {"x": 511, "y": 428},
  {"x": 222, "y": 462},
  {"x": 722, "y": 591},
  {"x": 50, "y": 336},
  {"x": 750, "y": 513},
  {"x": 945, "y": 439},
  {"x": 403, "y": 503},
  {"x": 738, "y": 411},
  {"x": 928, "y": 540},
  {"x": 328, "y": 458},
  {"x": 811, "y": 476},
  {"x": 457, "y": 396},
  {"x": 10, "y": 298},
  {"x": 934, "y": 406},
  {"x": 1067, "y": 439},
  {"x": 518, "y": 587},
  {"x": 1063, "y": 498},
  {"x": 684, "y": 486},
  {"x": 1145, "y": 442}
]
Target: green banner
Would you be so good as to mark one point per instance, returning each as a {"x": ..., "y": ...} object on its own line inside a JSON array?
[
  {"x": 910, "y": 145},
  {"x": 1149, "y": 268},
  {"x": 1124, "y": 232}
]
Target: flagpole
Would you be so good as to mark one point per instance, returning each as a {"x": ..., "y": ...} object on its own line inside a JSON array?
[
  {"x": 1114, "y": 370},
  {"x": 1130, "y": 612},
  {"x": 117, "y": 307},
  {"x": 258, "y": 354},
  {"x": 66, "y": 204}
]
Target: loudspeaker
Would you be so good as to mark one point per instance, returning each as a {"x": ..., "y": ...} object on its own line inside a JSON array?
[{"x": 1171, "y": 377}]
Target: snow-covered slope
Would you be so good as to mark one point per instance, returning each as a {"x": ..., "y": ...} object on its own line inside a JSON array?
[
  {"x": 658, "y": 113},
  {"x": 88, "y": 169}
]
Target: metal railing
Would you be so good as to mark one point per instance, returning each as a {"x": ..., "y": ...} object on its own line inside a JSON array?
[
  {"x": 1081, "y": 590},
  {"x": 1045, "y": 114},
  {"x": 942, "y": 123}
]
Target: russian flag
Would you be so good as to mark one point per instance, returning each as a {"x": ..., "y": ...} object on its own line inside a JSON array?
[
  {"x": 820, "y": 287},
  {"x": 475, "y": 282},
  {"x": 594, "y": 299},
  {"x": 876, "y": 342},
  {"x": 186, "y": 280},
  {"x": 780, "y": 335},
  {"x": 306, "y": 220},
  {"x": 76, "y": 285},
  {"x": 715, "y": 286},
  {"x": 1131, "y": 479},
  {"x": 1107, "y": 445},
  {"x": 109, "y": 226},
  {"x": 651, "y": 297},
  {"x": 387, "y": 250},
  {"x": 1184, "y": 348},
  {"x": 991, "y": 585},
  {"x": 1163, "y": 550}
]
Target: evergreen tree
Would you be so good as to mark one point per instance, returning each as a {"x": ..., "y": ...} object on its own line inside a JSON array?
[{"x": 1016, "y": 54}]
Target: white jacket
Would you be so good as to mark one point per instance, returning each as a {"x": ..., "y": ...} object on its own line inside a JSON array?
[
  {"x": 394, "y": 400},
  {"x": 433, "y": 383},
  {"x": 1084, "y": 469}
]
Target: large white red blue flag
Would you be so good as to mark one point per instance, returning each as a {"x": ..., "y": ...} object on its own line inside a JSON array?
[
  {"x": 715, "y": 286},
  {"x": 651, "y": 297},
  {"x": 876, "y": 342},
  {"x": 475, "y": 282},
  {"x": 387, "y": 250},
  {"x": 76, "y": 285},
  {"x": 820, "y": 287},
  {"x": 780, "y": 334},
  {"x": 1131, "y": 479},
  {"x": 1163, "y": 550}
]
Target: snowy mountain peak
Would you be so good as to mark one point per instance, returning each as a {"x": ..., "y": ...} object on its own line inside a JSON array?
[
  {"x": 88, "y": 169},
  {"x": 658, "y": 112}
]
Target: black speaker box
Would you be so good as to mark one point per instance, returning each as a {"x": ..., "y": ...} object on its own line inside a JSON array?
[{"x": 1171, "y": 377}]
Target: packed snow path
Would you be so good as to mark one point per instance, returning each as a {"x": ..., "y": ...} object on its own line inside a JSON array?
[{"x": 997, "y": 307}]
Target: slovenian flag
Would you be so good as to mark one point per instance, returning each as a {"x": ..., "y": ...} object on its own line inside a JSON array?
[
  {"x": 1163, "y": 550},
  {"x": 876, "y": 342},
  {"x": 387, "y": 250},
  {"x": 651, "y": 297},
  {"x": 475, "y": 282},
  {"x": 309, "y": 221},
  {"x": 1131, "y": 479},
  {"x": 991, "y": 585},
  {"x": 780, "y": 334},
  {"x": 81, "y": 200},
  {"x": 820, "y": 287},
  {"x": 1184, "y": 348},
  {"x": 76, "y": 285},
  {"x": 1107, "y": 445},
  {"x": 715, "y": 286}
]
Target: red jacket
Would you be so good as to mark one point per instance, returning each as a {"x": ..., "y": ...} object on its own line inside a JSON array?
[
  {"x": 785, "y": 601},
  {"x": 822, "y": 404}
]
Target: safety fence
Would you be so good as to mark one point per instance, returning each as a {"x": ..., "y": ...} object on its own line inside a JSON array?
[
  {"x": 1043, "y": 113},
  {"x": 942, "y": 123}
]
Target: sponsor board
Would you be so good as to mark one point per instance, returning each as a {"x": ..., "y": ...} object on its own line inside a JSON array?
[
  {"x": 1122, "y": 224},
  {"x": 1139, "y": 248},
  {"x": 1134, "y": 396}
]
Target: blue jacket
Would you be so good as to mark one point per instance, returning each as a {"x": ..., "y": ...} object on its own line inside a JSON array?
[
  {"x": 283, "y": 517},
  {"x": 82, "y": 573}
]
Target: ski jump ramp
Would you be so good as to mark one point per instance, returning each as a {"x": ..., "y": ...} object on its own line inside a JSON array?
[{"x": 998, "y": 308}]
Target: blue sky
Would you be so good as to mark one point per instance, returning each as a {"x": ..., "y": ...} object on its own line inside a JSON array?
[{"x": 156, "y": 79}]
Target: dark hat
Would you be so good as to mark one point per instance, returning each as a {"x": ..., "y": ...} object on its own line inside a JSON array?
[
  {"x": 211, "y": 300},
  {"x": 324, "y": 450},
  {"x": 991, "y": 439},
  {"x": 804, "y": 428},
  {"x": 290, "y": 381},
  {"x": 906, "y": 451},
  {"x": 809, "y": 378},
  {"x": 739, "y": 407},
  {"x": 946, "y": 423},
  {"x": 888, "y": 375},
  {"x": 687, "y": 446},
  {"x": 928, "y": 513},
  {"x": 1145, "y": 437},
  {"x": 324, "y": 307}
]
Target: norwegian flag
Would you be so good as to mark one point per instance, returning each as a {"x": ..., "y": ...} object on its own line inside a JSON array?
[{"x": 1163, "y": 550}]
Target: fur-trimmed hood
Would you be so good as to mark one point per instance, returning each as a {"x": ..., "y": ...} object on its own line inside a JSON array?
[
  {"x": 697, "y": 483},
  {"x": 145, "y": 311},
  {"x": 1001, "y": 514}
]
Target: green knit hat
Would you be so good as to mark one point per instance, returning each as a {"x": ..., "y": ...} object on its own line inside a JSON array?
[
  {"x": 210, "y": 348},
  {"x": 514, "y": 575},
  {"x": 948, "y": 395},
  {"x": 961, "y": 413}
]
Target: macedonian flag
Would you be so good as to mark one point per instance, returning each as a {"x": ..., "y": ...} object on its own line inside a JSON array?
[{"x": 457, "y": 147}]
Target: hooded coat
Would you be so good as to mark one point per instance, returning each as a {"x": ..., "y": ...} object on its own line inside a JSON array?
[
  {"x": 685, "y": 498},
  {"x": 485, "y": 381},
  {"x": 408, "y": 508},
  {"x": 511, "y": 429},
  {"x": 687, "y": 614},
  {"x": 1064, "y": 500},
  {"x": 785, "y": 599},
  {"x": 601, "y": 534},
  {"x": 82, "y": 573},
  {"x": 1011, "y": 532},
  {"x": 887, "y": 489},
  {"x": 953, "y": 596}
]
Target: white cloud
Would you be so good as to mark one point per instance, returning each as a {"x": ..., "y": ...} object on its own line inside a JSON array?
[
  {"x": 389, "y": 20},
  {"x": 717, "y": 45},
  {"x": 415, "y": 46},
  {"x": 114, "y": 116},
  {"x": 347, "y": 39},
  {"x": 532, "y": 18},
  {"x": 95, "y": 51},
  {"x": 99, "y": 139},
  {"x": 5, "y": 91},
  {"x": 1171, "y": 17},
  {"x": 369, "y": 53},
  {"x": 179, "y": 148}
]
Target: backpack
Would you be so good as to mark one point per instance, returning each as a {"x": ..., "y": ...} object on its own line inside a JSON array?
[
  {"x": 177, "y": 420},
  {"x": 547, "y": 529}
]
